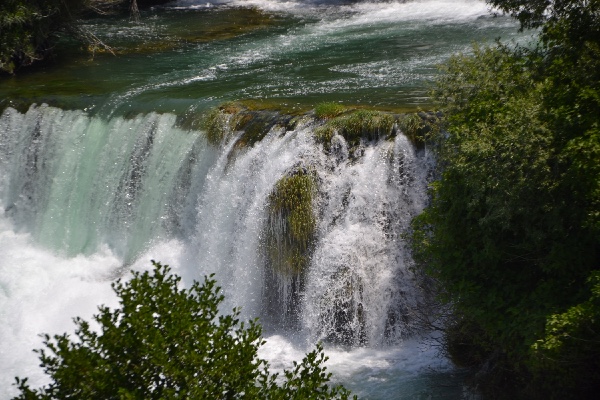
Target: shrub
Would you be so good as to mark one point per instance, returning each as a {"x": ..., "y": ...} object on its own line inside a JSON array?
[
  {"x": 165, "y": 343},
  {"x": 512, "y": 229}
]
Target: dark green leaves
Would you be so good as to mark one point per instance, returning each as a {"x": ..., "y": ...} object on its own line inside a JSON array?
[{"x": 512, "y": 233}]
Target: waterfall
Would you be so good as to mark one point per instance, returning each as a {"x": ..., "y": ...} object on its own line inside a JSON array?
[
  {"x": 77, "y": 182},
  {"x": 360, "y": 288},
  {"x": 87, "y": 198}
]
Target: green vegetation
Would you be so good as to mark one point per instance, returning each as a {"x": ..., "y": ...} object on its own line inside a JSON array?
[
  {"x": 329, "y": 110},
  {"x": 216, "y": 125},
  {"x": 353, "y": 125},
  {"x": 219, "y": 123},
  {"x": 256, "y": 125},
  {"x": 291, "y": 225},
  {"x": 169, "y": 343},
  {"x": 411, "y": 125},
  {"x": 512, "y": 234},
  {"x": 28, "y": 27},
  {"x": 419, "y": 127},
  {"x": 359, "y": 124}
]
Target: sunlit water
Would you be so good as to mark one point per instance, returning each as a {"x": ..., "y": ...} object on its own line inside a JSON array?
[
  {"x": 298, "y": 53},
  {"x": 106, "y": 179}
]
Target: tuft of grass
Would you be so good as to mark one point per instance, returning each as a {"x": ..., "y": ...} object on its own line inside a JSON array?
[
  {"x": 329, "y": 110},
  {"x": 412, "y": 125},
  {"x": 421, "y": 127}
]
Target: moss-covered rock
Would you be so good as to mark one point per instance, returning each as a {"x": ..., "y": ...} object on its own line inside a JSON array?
[
  {"x": 356, "y": 125},
  {"x": 291, "y": 223},
  {"x": 216, "y": 126},
  {"x": 219, "y": 123},
  {"x": 419, "y": 127},
  {"x": 412, "y": 125},
  {"x": 256, "y": 124}
]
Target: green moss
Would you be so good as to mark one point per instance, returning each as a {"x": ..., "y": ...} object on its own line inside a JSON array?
[
  {"x": 257, "y": 122},
  {"x": 324, "y": 133},
  {"x": 367, "y": 124},
  {"x": 255, "y": 125},
  {"x": 329, "y": 110},
  {"x": 411, "y": 125},
  {"x": 281, "y": 106},
  {"x": 292, "y": 223},
  {"x": 231, "y": 117},
  {"x": 216, "y": 126},
  {"x": 360, "y": 124},
  {"x": 419, "y": 127}
]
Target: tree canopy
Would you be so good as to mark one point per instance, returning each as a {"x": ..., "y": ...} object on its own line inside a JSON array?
[
  {"x": 164, "y": 342},
  {"x": 535, "y": 13},
  {"x": 512, "y": 233}
]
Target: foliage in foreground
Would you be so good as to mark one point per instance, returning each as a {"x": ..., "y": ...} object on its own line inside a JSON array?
[
  {"x": 165, "y": 343},
  {"x": 512, "y": 233}
]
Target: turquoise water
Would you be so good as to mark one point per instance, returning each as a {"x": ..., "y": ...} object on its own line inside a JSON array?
[
  {"x": 191, "y": 56},
  {"x": 105, "y": 177}
]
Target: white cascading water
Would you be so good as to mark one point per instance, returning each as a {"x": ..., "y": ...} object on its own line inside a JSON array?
[
  {"x": 84, "y": 199},
  {"x": 359, "y": 278},
  {"x": 77, "y": 182}
]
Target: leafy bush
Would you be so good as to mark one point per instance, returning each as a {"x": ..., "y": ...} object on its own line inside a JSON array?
[
  {"x": 165, "y": 343},
  {"x": 27, "y": 27},
  {"x": 569, "y": 349}
]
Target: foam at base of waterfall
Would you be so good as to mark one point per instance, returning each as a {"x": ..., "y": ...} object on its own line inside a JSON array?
[
  {"x": 46, "y": 291},
  {"x": 40, "y": 292},
  {"x": 405, "y": 371}
]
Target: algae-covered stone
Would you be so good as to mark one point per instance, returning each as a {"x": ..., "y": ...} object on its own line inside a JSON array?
[
  {"x": 411, "y": 125},
  {"x": 419, "y": 127},
  {"x": 250, "y": 125}
]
